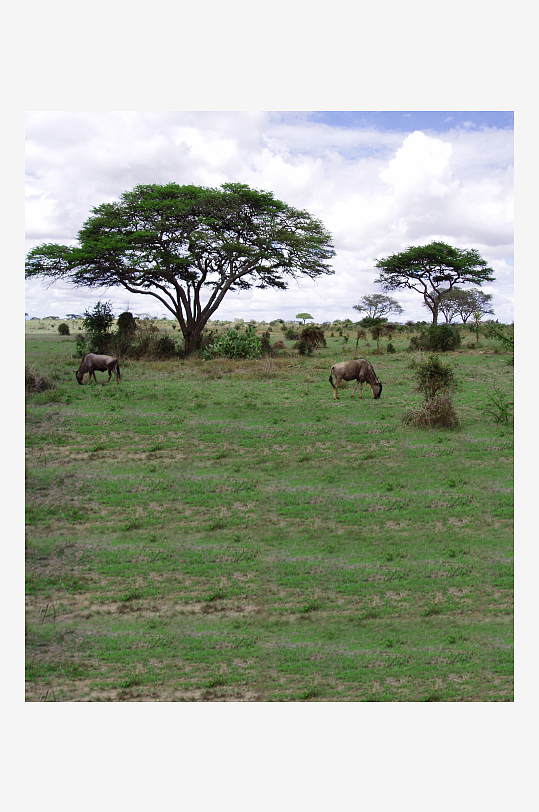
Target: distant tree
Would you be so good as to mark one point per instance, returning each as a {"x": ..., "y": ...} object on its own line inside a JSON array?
[
  {"x": 464, "y": 303},
  {"x": 376, "y": 305},
  {"x": 63, "y": 329},
  {"x": 303, "y": 316},
  {"x": 188, "y": 246},
  {"x": 432, "y": 270}
]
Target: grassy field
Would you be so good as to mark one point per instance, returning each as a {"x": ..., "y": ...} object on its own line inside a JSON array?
[{"x": 226, "y": 531}]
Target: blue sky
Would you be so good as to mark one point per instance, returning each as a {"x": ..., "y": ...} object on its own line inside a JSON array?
[
  {"x": 408, "y": 121},
  {"x": 379, "y": 181}
]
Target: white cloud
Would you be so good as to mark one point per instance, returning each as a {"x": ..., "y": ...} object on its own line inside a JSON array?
[{"x": 376, "y": 192}]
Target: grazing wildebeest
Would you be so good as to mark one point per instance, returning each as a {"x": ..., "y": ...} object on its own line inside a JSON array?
[
  {"x": 359, "y": 369},
  {"x": 103, "y": 363}
]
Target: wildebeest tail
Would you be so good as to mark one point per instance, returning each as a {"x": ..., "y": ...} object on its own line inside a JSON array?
[
  {"x": 118, "y": 368},
  {"x": 331, "y": 380}
]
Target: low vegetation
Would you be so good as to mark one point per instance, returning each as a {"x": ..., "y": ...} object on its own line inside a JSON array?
[{"x": 223, "y": 530}]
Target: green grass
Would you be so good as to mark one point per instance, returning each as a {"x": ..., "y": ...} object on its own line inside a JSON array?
[{"x": 226, "y": 531}]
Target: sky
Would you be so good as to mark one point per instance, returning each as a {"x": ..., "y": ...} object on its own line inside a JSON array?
[{"x": 379, "y": 181}]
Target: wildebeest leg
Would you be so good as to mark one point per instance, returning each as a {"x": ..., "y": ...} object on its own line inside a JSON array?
[{"x": 355, "y": 387}]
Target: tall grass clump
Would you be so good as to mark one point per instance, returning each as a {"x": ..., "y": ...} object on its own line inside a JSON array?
[
  {"x": 499, "y": 407},
  {"x": 35, "y": 380}
]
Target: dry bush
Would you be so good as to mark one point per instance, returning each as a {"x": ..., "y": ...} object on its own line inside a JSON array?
[
  {"x": 438, "y": 412},
  {"x": 36, "y": 381}
]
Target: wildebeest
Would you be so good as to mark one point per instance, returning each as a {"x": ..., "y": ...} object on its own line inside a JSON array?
[
  {"x": 360, "y": 370},
  {"x": 102, "y": 363}
]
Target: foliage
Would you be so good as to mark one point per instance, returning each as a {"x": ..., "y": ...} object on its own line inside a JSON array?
[
  {"x": 313, "y": 336},
  {"x": 433, "y": 376},
  {"x": 464, "y": 303},
  {"x": 377, "y": 305},
  {"x": 499, "y": 407},
  {"x": 126, "y": 322},
  {"x": 303, "y": 316},
  {"x": 63, "y": 329},
  {"x": 187, "y": 244},
  {"x": 236, "y": 344},
  {"x": 432, "y": 270},
  {"x": 504, "y": 333},
  {"x": 437, "y": 412},
  {"x": 291, "y": 334},
  {"x": 35, "y": 380},
  {"x": 437, "y": 338},
  {"x": 97, "y": 324},
  {"x": 368, "y": 322}
]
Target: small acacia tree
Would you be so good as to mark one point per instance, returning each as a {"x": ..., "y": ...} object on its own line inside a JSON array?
[
  {"x": 376, "y": 305},
  {"x": 464, "y": 303},
  {"x": 188, "y": 246}
]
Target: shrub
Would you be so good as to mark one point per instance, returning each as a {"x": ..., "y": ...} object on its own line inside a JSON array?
[
  {"x": 313, "y": 336},
  {"x": 437, "y": 338},
  {"x": 499, "y": 407},
  {"x": 391, "y": 348},
  {"x": 164, "y": 347},
  {"x": 235, "y": 344},
  {"x": 291, "y": 334},
  {"x": 433, "y": 376},
  {"x": 438, "y": 412},
  {"x": 266, "y": 345},
  {"x": 97, "y": 324},
  {"x": 82, "y": 345},
  {"x": 126, "y": 322},
  {"x": 303, "y": 347},
  {"x": 35, "y": 380},
  {"x": 63, "y": 329}
]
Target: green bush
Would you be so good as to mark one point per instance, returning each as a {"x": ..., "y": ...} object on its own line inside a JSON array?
[
  {"x": 291, "y": 334},
  {"x": 126, "y": 322},
  {"x": 433, "y": 376},
  {"x": 97, "y": 324},
  {"x": 63, "y": 329},
  {"x": 437, "y": 338},
  {"x": 314, "y": 336},
  {"x": 235, "y": 344}
]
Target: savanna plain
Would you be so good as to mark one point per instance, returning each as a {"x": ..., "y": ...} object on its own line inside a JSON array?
[{"x": 226, "y": 531}]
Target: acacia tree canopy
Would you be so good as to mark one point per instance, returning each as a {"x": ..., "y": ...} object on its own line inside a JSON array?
[
  {"x": 376, "y": 305},
  {"x": 188, "y": 246},
  {"x": 432, "y": 270},
  {"x": 464, "y": 303}
]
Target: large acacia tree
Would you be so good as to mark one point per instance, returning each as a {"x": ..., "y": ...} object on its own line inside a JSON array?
[
  {"x": 188, "y": 246},
  {"x": 432, "y": 270}
]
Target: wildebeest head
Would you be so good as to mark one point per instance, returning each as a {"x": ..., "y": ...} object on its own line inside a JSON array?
[
  {"x": 376, "y": 390},
  {"x": 79, "y": 375}
]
